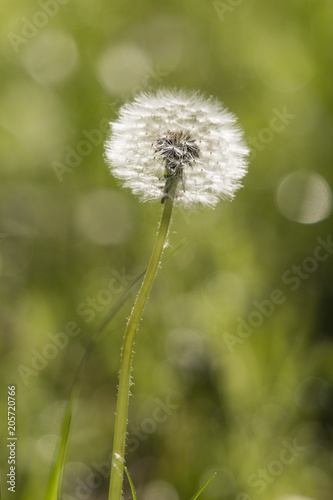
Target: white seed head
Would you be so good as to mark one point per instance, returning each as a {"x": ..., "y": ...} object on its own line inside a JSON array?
[{"x": 177, "y": 137}]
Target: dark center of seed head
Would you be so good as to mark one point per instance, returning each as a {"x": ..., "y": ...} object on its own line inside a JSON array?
[{"x": 177, "y": 148}]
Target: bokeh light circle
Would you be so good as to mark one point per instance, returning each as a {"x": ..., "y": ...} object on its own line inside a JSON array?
[
  {"x": 47, "y": 446},
  {"x": 296, "y": 497},
  {"x": 305, "y": 197},
  {"x": 51, "y": 58},
  {"x": 159, "y": 490},
  {"x": 122, "y": 68}
]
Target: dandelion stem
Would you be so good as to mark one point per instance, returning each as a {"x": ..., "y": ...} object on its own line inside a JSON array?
[{"x": 117, "y": 466}]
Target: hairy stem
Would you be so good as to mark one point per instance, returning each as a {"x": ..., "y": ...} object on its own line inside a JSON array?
[{"x": 117, "y": 466}]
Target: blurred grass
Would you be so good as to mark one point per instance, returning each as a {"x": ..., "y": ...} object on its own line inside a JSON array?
[{"x": 61, "y": 242}]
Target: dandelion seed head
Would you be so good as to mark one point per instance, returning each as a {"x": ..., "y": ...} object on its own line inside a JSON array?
[
  {"x": 173, "y": 135},
  {"x": 177, "y": 148}
]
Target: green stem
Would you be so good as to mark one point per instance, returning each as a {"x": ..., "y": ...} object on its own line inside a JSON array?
[{"x": 117, "y": 466}]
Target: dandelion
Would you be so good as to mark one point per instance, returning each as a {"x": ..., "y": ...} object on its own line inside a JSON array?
[
  {"x": 180, "y": 140},
  {"x": 179, "y": 148}
]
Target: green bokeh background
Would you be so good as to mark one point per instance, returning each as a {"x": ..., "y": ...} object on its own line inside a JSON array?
[{"x": 67, "y": 229}]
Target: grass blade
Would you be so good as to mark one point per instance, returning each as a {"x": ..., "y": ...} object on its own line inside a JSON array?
[
  {"x": 130, "y": 482},
  {"x": 203, "y": 487},
  {"x": 56, "y": 477},
  {"x": 53, "y": 490}
]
